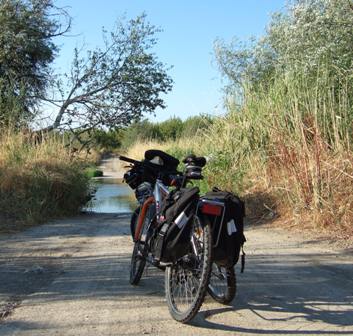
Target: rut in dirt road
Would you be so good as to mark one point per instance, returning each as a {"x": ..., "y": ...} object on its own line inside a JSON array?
[{"x": 70, "y": 277}]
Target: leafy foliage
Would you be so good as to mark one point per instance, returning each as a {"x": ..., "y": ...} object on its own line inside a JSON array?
[
  {"x": 115, "y": 85},
  {"x": 26, "y": 51},
  {"x": 107, "y": 140},
  {"x": 171, "y": 129},
  {"x": 310, "y": 35}
]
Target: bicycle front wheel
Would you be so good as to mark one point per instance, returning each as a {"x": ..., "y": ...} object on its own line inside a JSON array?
[
  {"x": 186, "y": 281},
  {"x": 140, "y": 251},
  {"x": 138, "y": 263}
]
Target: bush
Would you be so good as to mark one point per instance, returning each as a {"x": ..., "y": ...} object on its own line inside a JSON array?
[
  {"x": 195, "y": 124},
  {"x": 140, "y": 131},
  {"x": 170, "y": 130},
  {"x": 107, "y": 141},
  {"x": 93, "y": 172}
]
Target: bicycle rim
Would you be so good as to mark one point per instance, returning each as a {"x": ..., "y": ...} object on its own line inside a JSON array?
[{"x": 186, "y": 281}]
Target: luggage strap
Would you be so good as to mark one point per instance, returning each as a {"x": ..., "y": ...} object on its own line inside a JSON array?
[{"x": 242, "y": 259}]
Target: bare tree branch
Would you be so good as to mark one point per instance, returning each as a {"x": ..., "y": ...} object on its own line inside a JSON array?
[{"x": 113, "y": 86}]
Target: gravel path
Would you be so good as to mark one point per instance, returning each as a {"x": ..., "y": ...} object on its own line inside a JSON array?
[{"x": 70, "y": 277}]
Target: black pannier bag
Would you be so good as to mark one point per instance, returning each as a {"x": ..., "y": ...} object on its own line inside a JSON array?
[
  {"x": 173, "y": 238},
  {"x": 227, "y": 227}
]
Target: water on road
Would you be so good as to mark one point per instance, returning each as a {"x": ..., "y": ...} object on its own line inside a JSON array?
[{"x": 112, "y": 196}]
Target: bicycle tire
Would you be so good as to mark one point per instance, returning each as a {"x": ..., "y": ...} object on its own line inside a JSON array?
[
  {"x": 225, "y": 289},
  {"x": 137, "y": 265},
  {"x": 138, "y": 258},
  {"x": 171, "y": 277},
  {"x": 133, "y": 221}
]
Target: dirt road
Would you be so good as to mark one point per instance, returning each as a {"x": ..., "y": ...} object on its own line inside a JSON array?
[
  {"x": 70, "y": 277},
  {"x": 112, "y": 168}
]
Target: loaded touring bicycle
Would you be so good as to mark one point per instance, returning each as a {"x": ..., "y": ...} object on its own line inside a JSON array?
[{"x": 196, "y": 240}]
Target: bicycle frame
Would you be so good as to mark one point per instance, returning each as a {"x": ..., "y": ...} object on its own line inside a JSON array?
[{"x": 160, "y": 192}]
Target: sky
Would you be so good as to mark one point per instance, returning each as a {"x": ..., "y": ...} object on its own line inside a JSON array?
[{"x": 189, "y": 29}]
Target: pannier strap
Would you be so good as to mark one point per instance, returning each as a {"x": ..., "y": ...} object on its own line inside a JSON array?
[{"x": 242, "y": 259}]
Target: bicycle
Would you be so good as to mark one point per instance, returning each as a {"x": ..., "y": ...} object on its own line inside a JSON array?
[
  {"x": 177, "y": 231},
  {"x": 188, "y": 261}
]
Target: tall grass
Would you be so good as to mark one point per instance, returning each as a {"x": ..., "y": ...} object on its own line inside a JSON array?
[
  {"x": 293, "y": 143},
  {"x": 137, "y": 149},
  {"x": 38, "y": 181},
  {"x": 287, "y": 148}
]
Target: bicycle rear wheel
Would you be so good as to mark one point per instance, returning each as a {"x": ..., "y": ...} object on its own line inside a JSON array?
[
  {"x": 186, "y": 280},
  {"x": 222, "y": 285}
]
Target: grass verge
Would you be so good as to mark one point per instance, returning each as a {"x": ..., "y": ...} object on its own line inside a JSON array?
[{"x": 38, "y": 181}]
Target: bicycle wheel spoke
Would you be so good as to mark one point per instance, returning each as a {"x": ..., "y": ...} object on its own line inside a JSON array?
[
  {"x": 185, "y": 293},
  {"x": 222, "y": 285}
]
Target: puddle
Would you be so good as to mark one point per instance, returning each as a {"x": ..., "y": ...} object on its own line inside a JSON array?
[{"x": 112, "y": 196}]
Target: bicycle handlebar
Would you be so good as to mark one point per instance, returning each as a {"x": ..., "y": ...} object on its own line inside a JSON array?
[
  {"x": 179, "y": 177},
  {"x": 126, "y": 159},
  {"x": 147, "y": 164}
]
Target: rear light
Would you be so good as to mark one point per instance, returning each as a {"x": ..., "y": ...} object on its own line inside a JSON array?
[{"x": 211, "y": 209}]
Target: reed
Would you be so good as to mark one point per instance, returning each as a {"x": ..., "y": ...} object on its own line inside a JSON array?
[
  {"x": 287, "y": 149},
  {"x": 293, "y": 143}
]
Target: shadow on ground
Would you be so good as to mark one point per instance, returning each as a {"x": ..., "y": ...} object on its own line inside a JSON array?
[
  {"x": 285, "y": 288},
  {"x": 288, "y": 289}
]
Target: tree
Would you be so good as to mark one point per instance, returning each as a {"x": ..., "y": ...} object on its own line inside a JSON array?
[
  {"x": 194, "y": 124},
  {"x": 142, "y": 130},
  {"x": 310, "y": 35},
  {"x": 171, "y": 128},
  {"x": 112, "y": 86},
  {"x": 107, "y": 140},
  {"x": 26, "y": 52}
]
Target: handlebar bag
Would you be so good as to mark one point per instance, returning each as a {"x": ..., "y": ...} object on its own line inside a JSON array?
[
  {"x": 167, "y": 161},
  {"x": 227, "y": 228},
  {"x": 148, "y": 171},
  {"x": 173, "y": 239},
  {"x": 141, "y": 173}
]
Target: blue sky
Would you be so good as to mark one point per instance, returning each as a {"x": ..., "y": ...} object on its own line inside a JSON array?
[{"x": 186, "y": 42}]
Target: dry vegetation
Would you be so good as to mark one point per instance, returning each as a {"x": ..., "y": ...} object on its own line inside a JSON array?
[
  {"x": 287, "y": 151},
  {"x": 38, "y": 181}
]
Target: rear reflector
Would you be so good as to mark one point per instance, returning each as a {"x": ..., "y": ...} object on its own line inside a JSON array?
[{"x": 211, "y": 209}]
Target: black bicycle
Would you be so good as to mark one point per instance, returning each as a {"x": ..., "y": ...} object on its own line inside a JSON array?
[
  {"x": 174, "y": 229},
  {"x": 167, "y": 230}
]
